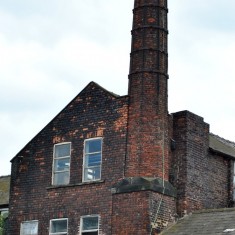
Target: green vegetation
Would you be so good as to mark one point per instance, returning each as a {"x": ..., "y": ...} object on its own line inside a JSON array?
[{"x": 2, "y": 224}]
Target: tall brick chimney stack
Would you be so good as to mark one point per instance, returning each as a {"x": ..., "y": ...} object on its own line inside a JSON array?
[
  {"x": 147, "y": 148},
  {"x": 145, "y": 190}
]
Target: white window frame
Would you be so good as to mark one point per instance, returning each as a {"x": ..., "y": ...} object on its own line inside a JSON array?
[
  {"x": 84, "y": 159},
  {"x": 27, "y": 222},
  {"x": 4, "y": 212},
  {"x": 92, "y": 230},
  {"x": 54, "y": 159},
  {"x": 58, "y": 233}
]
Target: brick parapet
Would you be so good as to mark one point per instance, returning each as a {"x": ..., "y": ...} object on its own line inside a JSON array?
[{"x": 199, "y": 176}]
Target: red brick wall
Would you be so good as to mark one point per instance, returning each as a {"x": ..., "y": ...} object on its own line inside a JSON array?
[
  {"x": 131, "y": 214},
  {"x": 94, "y": 112},
  {"x": 147, "y": 148},
  {"x": 201, "y": 178},
  {"x": 143, "y": 212}
]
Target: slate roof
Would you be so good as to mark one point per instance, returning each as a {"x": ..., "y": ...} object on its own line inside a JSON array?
[
  {"x": 4, "y": 190},
  {"x": 221, "y": 145},
  {"x": 205, "y": 222}
]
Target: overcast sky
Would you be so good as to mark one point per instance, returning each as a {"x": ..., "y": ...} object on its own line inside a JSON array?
[{"x": 51, "y": 49}]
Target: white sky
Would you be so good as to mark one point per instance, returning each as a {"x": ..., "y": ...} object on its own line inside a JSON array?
[{"x": 51, "y": 49}]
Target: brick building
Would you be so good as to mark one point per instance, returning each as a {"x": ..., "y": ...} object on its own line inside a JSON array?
[
  {"x": 4, "y": 194},
  {"x": 109, "y": 164},
  {"x": 4, "y": 203}
]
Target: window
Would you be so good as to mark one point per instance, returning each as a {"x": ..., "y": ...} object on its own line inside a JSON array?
[
  {"x": 61, "y": 164},
  {"x": 4, "y": 212},
  {"x": 92, "y": 159},
  {"x": 90, "y": 225},
  {"x": 29, "y": 228},
  {"x": 59, "y": 226}
]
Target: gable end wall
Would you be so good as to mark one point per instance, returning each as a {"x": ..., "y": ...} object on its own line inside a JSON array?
[{"x": 93, "y": 113}]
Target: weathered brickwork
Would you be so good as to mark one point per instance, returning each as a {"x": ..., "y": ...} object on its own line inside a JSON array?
[
  {"x": 155, "y": 167},
  {"x": 231, "y": 177},
  {"x": 147, "y": 146},
  {"x": 131, "y": 213},
  {"x": 162, "y": 212},
  {"x": 201, "y": 177},
  {"x": 94, "y": 112},
  {"x": 140, "y": 213},
  {"x": 148, "y": 132}
]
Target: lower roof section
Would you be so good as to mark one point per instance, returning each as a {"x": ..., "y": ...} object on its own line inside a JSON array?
[
  {"x": 220, "y": 145},
  {"x": 205, "y": 222}
]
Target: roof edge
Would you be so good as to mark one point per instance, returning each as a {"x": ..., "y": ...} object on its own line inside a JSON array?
[
  {"x": 214, "y": 210},
  {"x": 89, "y": 84},
  {"x": 222, "y": 146}
]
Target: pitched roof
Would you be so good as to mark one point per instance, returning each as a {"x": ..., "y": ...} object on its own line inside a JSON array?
[
  {"x": 221, "y": 145},
  {"x": 97, "y": 85},
  {"x": 4, "y": 190},
  {"x": 205, "y": 222},
  {"x": 90, "y": 86}
]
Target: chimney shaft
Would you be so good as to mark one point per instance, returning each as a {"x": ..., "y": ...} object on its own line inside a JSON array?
[{"x": 147, "y": 148}]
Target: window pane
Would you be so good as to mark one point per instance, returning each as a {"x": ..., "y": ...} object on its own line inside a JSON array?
[
  {"x": 61, "y": 178},
  {"x": 29, "y": 228},
  {"x": 90, "y": 223},
  {"x": 62, "y": 164},
  {"x": 58, "y": 226},
  {"x": 62, "y": 150},
  {"x": 4, "y": 212},
  {"x": 92, "y": 173},
  {"x": 93, "y": 146},
  {"x": 93, "y": 160}
]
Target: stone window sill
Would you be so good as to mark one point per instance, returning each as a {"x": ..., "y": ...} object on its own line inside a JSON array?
[{"x": 75, "y": 185}]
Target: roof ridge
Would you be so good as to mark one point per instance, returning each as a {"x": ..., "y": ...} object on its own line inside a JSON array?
[
  {"x": 110, "y": 92},
  {"x": 5, "y": 176},
  {"x": 214, "y": 210}
]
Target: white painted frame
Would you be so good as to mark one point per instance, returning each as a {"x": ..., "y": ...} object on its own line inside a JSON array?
[
  {"x": 92, "y": 230},
  {"x": 4, "y": 211},
  {"x": 59, "y": 233},
  {"x": 84, "y": 157},
  {"x": 28, "y": 222},
  {"x": 54, "y": 158}
]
